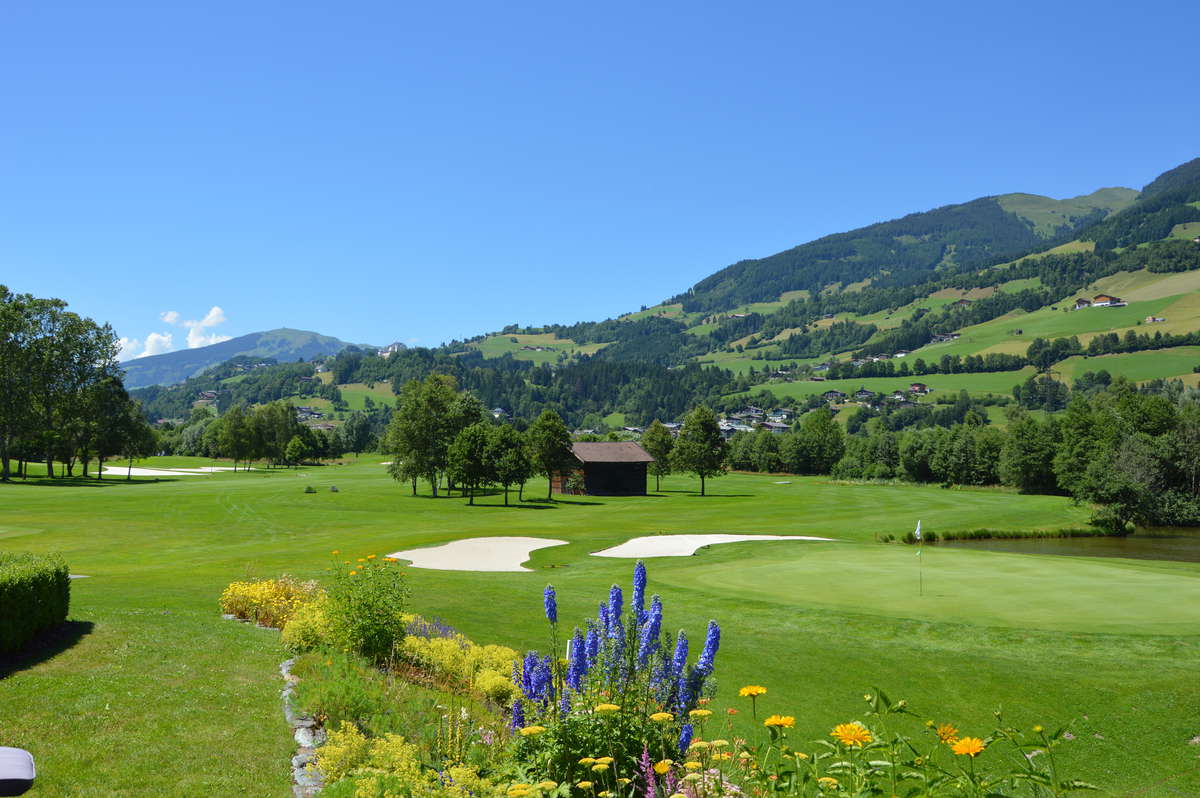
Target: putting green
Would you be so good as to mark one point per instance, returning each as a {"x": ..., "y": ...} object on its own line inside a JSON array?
[{"x": 1072, "y": 594}]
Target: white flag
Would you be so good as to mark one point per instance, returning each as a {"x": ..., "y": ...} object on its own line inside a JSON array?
[{"x": 918, "y": 532}]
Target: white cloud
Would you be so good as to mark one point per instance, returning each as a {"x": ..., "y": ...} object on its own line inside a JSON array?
[
  {"x": 196, "y": 329},
  {"x": 132, "y": 348},
  {"x": 129, "y": 349},
  {"x": 169, "y": 316},
  {"x": 157, "y": 344}
]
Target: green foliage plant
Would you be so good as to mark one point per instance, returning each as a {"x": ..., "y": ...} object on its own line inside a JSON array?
[
  {"x": 35, "y": 594},
  {"x": 366, "y": 607}
]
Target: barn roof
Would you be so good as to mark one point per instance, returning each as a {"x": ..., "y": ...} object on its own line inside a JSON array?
[{"x": 610, "y": 452}]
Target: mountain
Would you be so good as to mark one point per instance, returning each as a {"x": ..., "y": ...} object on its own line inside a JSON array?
[
  {"x": 904, "y": 251},
  {"x": 283, "y": 344}
]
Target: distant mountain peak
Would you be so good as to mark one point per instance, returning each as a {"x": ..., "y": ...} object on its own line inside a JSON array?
[{"x": 282, "y": 344}]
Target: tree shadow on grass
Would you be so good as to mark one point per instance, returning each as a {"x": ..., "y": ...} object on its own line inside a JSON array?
[
  {"x": 46, "y": 646},
  {"x": 79, "y": 482}
]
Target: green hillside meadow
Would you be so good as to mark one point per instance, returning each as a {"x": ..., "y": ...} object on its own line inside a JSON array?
[{"x": 150, "y": 692}]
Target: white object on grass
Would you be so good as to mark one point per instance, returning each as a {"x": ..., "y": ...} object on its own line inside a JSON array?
[
  {"x": 684, "y": 545},
  {"x": 477, "y": 554}
]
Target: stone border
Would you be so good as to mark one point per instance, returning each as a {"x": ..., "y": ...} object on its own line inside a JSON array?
[{"x": 306, "y": 779}]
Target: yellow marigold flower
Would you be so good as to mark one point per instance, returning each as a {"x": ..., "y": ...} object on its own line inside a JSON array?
[
  {"x": 947, "y": 733},
  {"x": 336, "y": 551},
  {"x": 698, "y": 745},
  {"x": 692, "y": 765},
  {"x": 692, "y": 777},
  {"x": 851, "y": 734},
  {"x": 519, "y": 786},
  {"x": 752, "y": 690},
  {"x": 827, "y": 781},
  {"x": 588, "y": 760},
  {"x": 677, "y": 795},
  {"x": 547, "y": 785},
  {"x": 700, "y": 713},
  {"x": 600, "y": 767},
  {"x": 800, "y": 755},
  {"x": 607, "y": 708},
  {"x": 362, "y": 559},
  {"x": 529, "y": 731},
  {"x": 1037, "y": 729},
  {"x": 624, "y": 781},
  {"x": 605, "y": 760},
  {"x": 584, "y": 785},
  {"x": 352, "y": 573},
  {"x": 662, "y": 717},
  {"x": 969, "y": 746},
  {"x": 518, "y": 794},
  {"x": 744, "y": 755},
  {"x": 662, "y": 766},
  {"x": 603, "y": 794},
  {"x": 370, "y": 556},
  {"x": 786, "y": 721},
  {"x": 390, "y": 559}
]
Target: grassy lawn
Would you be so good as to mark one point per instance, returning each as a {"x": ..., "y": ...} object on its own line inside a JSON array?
[
  {"x": 997, "y": 382},
  {"x": 150, "y": 693},
  {"x": 500, "y": 345}
]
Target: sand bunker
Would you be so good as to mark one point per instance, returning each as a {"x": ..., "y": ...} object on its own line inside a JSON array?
[
  {"x": 477, "y": 554},
  {"x": 139, "y": 471},
  {"x": 684, "y": 545}
]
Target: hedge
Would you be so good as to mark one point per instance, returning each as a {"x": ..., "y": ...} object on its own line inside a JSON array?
[{"x": 35, "y": 593}]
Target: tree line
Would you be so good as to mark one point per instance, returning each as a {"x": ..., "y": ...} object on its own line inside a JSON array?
[{"x": 61, "y": 395}]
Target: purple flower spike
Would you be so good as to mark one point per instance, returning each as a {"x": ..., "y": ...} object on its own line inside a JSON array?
[{"x": 550, "y": 603}]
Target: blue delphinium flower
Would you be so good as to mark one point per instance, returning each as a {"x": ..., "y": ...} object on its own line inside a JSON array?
[
  {"x": 564, "y": 706},
  {"x": 685, "y": 739},
  {"x": 602, "y": 616},
  {"x": 518, "y": 714},
  {"x": 712, "y": 641},
  {"x": 639, "y": 592},
  {"x": 529, "y": 675},
  {"x": 648, "y": 640},
  {"x": 543, "y": 681},
  {"x": 615, "y": 602},
  {"x": 551, "y": 605},
  {"x": 679, "y": 661},
  {"x": 592, "y": 645},
  {"x": 577, "y": 667}
]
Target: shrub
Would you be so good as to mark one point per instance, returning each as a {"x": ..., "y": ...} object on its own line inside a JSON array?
[
  {"x": 338, "y": 688},
  {"x": 268, "y": 602},
  {"x": 448, "y": 655},
  {"x": 35, "y": 593},
  {"x": 309, "y": 627},
  {"x": 366, "y": 607}
]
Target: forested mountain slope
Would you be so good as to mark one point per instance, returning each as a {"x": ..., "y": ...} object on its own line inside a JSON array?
[{"x": 907, "y": 250}]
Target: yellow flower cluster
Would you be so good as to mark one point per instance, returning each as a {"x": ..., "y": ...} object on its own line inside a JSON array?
[
  {"x": 783, "y": 721},
  {"x": 268, "y": 602},
  {"x": 752, "y": 691}
]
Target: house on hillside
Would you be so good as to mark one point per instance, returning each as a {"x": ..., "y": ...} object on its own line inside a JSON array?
[
  {"x": 775, "y": 426},
  {"x": 862, "y": 394},
  {"x": 833, "y": 396},
  {"x": 607, "y": 468},
  {"x": 918, "y": 387},
  {"x": 1106, "y": 301},
  {"x": 961, "y": 303},
  {"x": 1082, "y": 303},
  {"x": 901, "y": 353},
  {"x": 1155, "y": 319}
]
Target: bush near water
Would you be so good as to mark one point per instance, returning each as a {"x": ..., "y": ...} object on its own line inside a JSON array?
[{"x": 35, "y": 594}]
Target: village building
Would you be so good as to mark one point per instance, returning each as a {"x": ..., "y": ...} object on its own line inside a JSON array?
[
  {"x": 918, "y": 387},
  {"x": 607, "y": 468},
  {"x": 863, "y": 393},
  {"x": 1155, "y": 319},
  {"x": 1106, "y": 301},
  {"x": 775, "y": 427},
  {"x": 833, "y": 396},
  {"x": 1082, "y": 303}
]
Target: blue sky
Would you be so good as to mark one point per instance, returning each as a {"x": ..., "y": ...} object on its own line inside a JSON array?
[{"x": 387, "y": 171}]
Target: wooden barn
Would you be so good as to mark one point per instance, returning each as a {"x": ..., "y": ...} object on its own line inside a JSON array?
[{"x": 608, "y": 469}]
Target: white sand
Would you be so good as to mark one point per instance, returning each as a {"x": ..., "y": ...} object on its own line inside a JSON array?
[
  {"x": 477, "y": 554},
  {"x": 139, "y": 471},
  {"x": 683, "y": 545}
]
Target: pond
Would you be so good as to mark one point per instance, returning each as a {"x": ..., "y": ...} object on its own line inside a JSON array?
[{"x": 1180, "y": 545}]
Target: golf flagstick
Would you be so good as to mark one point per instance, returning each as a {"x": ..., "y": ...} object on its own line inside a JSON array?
[{"x": 920, "y": 563}]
